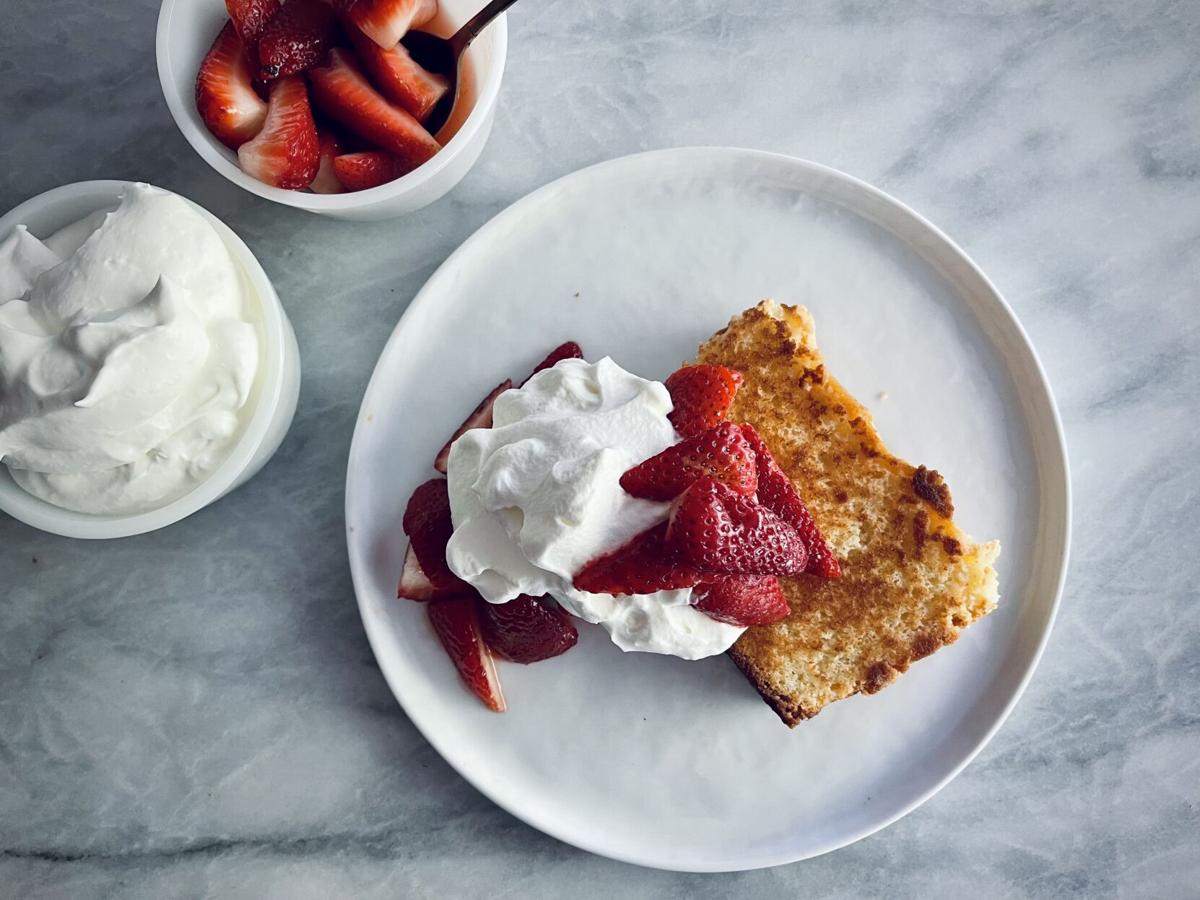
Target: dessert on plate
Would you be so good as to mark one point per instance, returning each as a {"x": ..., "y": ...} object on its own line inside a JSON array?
[{"x": 745, "y": 505}]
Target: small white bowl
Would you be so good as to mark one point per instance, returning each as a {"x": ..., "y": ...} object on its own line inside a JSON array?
[
  {"x": 186, "y": 29},
  {"x": 270, "y": 409}
]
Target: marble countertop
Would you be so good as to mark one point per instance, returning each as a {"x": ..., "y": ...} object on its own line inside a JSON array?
[{"x": 196, "y": 712}]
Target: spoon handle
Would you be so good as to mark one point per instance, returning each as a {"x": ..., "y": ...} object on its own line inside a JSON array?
[{"x": 463, "y": 37}]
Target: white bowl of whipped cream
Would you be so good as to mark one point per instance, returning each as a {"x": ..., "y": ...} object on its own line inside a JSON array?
[{"x": 147, "y": 367}]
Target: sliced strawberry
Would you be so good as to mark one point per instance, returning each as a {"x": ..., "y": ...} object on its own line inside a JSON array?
[
  {"x": 295, "y": 39},
  {"x": 250, "y": 16},
  {"x": 524, "y": 630},
  {"x": 643, "y": 566},
  {"x": 567, "y": 350},
  {"x": 721, "y": 453},
  {"x": 360, "y": 171},
  {"x": 746, "y": 600},
  {"x": 480, "y": 418},
  {"x": 718, "y": 530},
  {"x": 414, "y": 583},
  {"x": 342, "y": 92},
  {"x": 225, "y": 95},
  {"x": 386, "y": 21},
  {"x": 777, "y": 493},
  {"x": 399, "y": 77},
  {"x": 428, "y": 526},
  {"x": 286, "y": 153},
  {"x": 456, "y": 621},
  {"x": 326, "y": 180},
  {"x": 702, "y": 395}
]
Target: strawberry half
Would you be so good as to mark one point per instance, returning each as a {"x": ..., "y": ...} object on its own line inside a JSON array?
[
  {"x": 480, "y": 418},
  {"x": 526, "y": 631},
  {"x": 386, "y": 21},
  {"x": 721, "y": 453},
  {"x": 719, "y": 530},
  {"x": 225, "y": 97},
  {"x": 360, "y": 171},
  {"x": 399, "y": 77},
  {"x": 342, "y": 92},
  {"x": 428, "y": 526},
  {"x": 702, "y": 395},
  {"x": 295, "y": 39},
  {"x": 326, "y": 180},
  {"x": 643, "y": 566},
  {"x": 777, "y": 493},
  {"x": 286, "y": 152},
  {"x": 249, "y": 17},
  {"x": 749, "y": 600},
  {"x": 456, "y": 621},
  {"x": 566, "y": 350}
]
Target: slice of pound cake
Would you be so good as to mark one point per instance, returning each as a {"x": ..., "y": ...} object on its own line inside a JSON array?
[{"x": 911, "y": 580}]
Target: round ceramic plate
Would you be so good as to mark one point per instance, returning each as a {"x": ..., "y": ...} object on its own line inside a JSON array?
[{"x": 674, "y": 764}]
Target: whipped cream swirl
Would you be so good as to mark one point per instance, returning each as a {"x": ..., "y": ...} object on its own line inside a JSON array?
[
  {"x": 126, "y": 355},
  {"x": 537, "y": 496}
]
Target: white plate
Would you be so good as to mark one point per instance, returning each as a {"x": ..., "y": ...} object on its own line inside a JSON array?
[{"x": 680, "y": 765}]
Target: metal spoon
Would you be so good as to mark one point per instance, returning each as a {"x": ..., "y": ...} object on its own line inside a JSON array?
[{"x": 443, "y": 55}]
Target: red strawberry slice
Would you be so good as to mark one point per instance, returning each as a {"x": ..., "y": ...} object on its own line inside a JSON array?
[
  {"x": 456, "y": 621},
  {"x": 386, "y": 21},
  {"x": 480, "y": 418},
  {"x": 414, "y": 583},
  {"x": 719, "y": 530},
  {"x": 326, "y": 181},
  {"x": 225, "y": 95},
  {"x": 342, "y": 92},
  {"x": 721, "y": 453},
  {"x": 428, "y": 526},
  {"x": 526, "y": 631},
  {"x": 286, "y": 153},
  {"x": 567, "y": 350},
  {"x": 749, "y": 600},
  {"x": 643, "y": 566},
  {"x": 399, "y": 77},
  {"x": 360, "y": 171},
  {"x": 702, "y": 395},
  {"x": 250, "y": 16},
  {"x": 777, "y": 493},
  {"x": 295, "y": 39}
]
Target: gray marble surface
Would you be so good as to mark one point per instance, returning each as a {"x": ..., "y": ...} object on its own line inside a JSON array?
[{"x": 197, "y": 712}]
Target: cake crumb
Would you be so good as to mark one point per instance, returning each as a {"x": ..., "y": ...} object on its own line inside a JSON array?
[{"x": 883, "y": 395}]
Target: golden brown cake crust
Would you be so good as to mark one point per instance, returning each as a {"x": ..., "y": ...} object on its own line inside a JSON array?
[{"x": 911, "y": 579}]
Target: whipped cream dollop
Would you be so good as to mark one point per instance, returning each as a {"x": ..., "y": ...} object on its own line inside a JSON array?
[
  {"x": 127, "y": 355},
  {"x": 537, "y": 496}
]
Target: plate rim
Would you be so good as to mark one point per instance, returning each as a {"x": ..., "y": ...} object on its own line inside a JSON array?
[{"x": 424, "y": 297}]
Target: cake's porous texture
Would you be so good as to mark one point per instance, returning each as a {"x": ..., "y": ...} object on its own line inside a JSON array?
[{"x": 911, "y": 579}]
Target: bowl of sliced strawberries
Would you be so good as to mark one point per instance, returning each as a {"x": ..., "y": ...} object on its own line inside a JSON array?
[{"x": 317, "y": 104}]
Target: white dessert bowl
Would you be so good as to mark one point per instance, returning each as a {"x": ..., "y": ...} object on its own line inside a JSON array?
[
  {"x": 265, "y": 419},
  {"x": 186, "y": 29}
]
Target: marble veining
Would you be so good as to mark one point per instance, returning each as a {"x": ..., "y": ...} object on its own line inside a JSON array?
[{"x": 196, "y": 712}]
